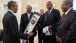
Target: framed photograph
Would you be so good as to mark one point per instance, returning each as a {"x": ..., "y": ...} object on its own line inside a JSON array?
[{"x": 32, "y": 23}]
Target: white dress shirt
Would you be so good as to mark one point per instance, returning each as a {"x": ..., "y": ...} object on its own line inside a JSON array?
[
  {"x": 67, "y": 11},
  {"x": 11, "y": 11},
  {"x": 28, "y": 15},
  {"x": 51, "y": 9}
]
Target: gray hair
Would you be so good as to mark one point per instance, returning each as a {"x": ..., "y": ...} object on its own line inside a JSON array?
[
  {"x": 29, "y": 6},
  {"x": 69, "y": 2}
]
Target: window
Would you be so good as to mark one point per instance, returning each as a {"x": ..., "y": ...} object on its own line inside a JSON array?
[{"x": 74, "y": 4}]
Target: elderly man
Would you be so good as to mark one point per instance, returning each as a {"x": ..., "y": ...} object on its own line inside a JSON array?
[{"x": 66, "y": 32}]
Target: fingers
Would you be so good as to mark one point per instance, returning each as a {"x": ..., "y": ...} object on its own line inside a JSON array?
[
  {"x": 58, "y": 39},
  {"x": 30, "y": 34}
]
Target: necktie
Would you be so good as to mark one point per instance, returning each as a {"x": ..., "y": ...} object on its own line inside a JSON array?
[
  {"x": 47, "y": 16},
  {"x": 29, "y": 17},
  {"x": 48, "y": 13},
  {"x": 62, "y": 18}
]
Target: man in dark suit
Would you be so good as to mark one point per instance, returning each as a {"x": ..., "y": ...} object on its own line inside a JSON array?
[
  {"x": 10, "y": 25},
  {"x": 51, "y": 20},
  {"x": 39, "y": 27},
  {"x": 25, "y": 18},
  {"x": 66, "y": 32}
]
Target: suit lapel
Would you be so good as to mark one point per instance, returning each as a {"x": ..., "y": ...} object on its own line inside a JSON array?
[
  {"x": 50, "y": 15},
  {"x": 30, "y": 16},
  {"x": 48, "y": 18},
  {"x": 65, "y": 17},
  {"x": 10, "y": 12},
  {"x": 26, "y": 17}
]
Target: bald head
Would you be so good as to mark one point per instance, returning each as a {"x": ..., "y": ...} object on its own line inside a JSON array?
[
  {"x": 41, "y": 10},
  {"x": 29, "y": 8},
  {"x": 49, "y": 5}
]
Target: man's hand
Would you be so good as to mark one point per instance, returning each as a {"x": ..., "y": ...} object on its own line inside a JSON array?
[
  {"x": 58, "y": 39},
  {"x": 50, "y": 26},
  {"x": 30, "y": 34}
]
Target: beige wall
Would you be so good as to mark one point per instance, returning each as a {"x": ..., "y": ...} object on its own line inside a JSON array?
[
  {"x": 9, "y": 0},
  {"x": 42, "y": 3},
  {"x": 4, "y": 0},
  {"x": 0, "y": 17},
  {"x": 3, "y": 6}
]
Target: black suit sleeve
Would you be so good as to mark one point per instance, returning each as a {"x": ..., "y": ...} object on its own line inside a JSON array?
[
  {"x": 22, "y": 24},
  {"x": 57, "y": 17},
  {"x": 13, "y": 27},
  {"x": 71, "y": 34}
]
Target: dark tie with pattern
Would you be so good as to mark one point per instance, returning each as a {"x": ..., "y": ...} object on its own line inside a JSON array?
[
  {"x": 47, "y": 15},
  {"x": 62, "y": 18}
]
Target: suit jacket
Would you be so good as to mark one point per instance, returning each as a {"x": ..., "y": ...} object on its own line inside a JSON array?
[
  {"x": 39, "y": 24},
  {"x": 53, "y": 20},
  {"x": 24, "y": 22},
  {"x": 10, "y": 26},
  {"x": 67, "y": 28}
]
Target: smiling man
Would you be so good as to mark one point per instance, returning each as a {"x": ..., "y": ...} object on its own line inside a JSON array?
[
  {"x": 66, "y": 32},
  {"x": 10, "y": 25}
]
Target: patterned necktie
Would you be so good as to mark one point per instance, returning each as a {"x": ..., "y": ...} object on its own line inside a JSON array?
[
  {"x": 47, "y": 15},
  {"x": 62, "y": 18}
]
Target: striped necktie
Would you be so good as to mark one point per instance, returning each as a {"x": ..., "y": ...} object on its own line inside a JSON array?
[{"x": 62, "y": 18}]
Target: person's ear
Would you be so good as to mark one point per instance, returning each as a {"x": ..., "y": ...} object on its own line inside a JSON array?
[{"x": 11, "y": 6}]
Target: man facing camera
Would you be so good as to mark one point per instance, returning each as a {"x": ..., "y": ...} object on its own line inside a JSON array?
[
  {"x": 51, "y": 19},
  {"x": 66, "y": 32},
  {"x": 25, "y": 19},
  {"x": 10, "y": 25}
]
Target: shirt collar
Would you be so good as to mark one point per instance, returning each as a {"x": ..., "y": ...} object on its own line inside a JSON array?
[
  {"x": 11, "y": 11},
  {"x": 28, "y": 13},
  {"x": 67, "y": 11},
  {"x": 42, "y": 13}
]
